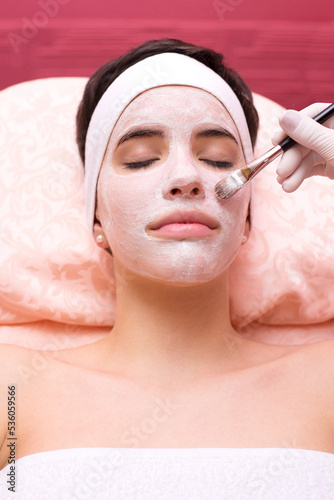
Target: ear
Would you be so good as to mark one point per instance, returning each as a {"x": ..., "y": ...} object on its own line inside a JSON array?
[
  {"x": 97, "y": 216},
  {"x": 247, "y": 228},
  {"x": 99, "y": 234},
  {"x": 248, "y": 222},
  {"x": 250, "y": 212}
]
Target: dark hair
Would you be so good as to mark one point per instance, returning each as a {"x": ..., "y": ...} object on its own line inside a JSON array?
[{"x": 104, "y": 76}]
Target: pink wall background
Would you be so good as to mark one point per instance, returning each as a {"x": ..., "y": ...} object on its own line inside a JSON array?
[{"x": 284, "y": 49}]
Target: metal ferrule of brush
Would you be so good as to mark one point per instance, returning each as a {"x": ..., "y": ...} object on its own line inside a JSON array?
[
  {"x": 259, "y": 163},
  {"x": 238, "y": 179}
]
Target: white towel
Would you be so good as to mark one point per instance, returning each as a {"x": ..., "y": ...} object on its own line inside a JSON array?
[{"x": 172, "y": 474}]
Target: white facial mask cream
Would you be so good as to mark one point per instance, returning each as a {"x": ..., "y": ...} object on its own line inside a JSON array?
[
  {"x": 131, "y": 201},
  {"x": 155, "y": 71}
]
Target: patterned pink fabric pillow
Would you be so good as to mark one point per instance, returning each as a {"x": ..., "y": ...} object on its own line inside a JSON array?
[{"x": 56, "y": 286}]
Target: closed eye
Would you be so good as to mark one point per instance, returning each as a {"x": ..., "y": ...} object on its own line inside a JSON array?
[
  {"x": 140, "y": 164},
  {"x": 219, "y": 164},
  {"x": 147, "y": 163}
]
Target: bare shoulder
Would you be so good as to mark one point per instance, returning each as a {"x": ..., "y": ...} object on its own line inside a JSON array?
[
  {"x": 15, "y": 364},
  {"x": 13, "y": 360},
  {"x": 319, "y": 361},
  {"x": 21, "y": 365},
  {"x": 323, "y": 351},
  {"x": 319, "y": 355},
  {"x": 311, "y": 365}
]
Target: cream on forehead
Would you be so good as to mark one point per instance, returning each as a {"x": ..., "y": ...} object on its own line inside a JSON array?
[
  {"x": 155, "y": 71},
  {"x": 152, "y": 104}
]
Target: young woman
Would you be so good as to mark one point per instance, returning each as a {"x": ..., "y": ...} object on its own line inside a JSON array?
[{"x": 173, "y": 403}]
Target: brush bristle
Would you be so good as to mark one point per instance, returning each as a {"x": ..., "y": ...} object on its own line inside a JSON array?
[{"x": 226, "y": 188}]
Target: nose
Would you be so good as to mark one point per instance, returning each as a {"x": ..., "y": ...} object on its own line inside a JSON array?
[
  {"x": 185, "y": 189},
  {"x": 184, "y": 181}
]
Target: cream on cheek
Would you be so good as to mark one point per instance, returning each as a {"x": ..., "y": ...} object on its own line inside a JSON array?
[{"x": 129, "y": 202}]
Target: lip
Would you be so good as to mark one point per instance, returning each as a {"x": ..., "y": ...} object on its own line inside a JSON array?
[{"x": 185, "y": 223}]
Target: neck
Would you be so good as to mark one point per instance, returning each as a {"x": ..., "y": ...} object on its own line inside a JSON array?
[{"x": 164, "y": 329}]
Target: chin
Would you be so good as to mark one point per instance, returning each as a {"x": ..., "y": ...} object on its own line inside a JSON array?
[
  {"x": 181, "y": 270},
  {"x": 184, "y": 277}
]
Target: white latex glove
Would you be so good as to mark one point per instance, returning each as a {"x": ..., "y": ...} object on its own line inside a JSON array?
[{"x": 314, "y": 153}]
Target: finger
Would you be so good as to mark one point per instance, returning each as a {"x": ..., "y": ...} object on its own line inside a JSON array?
[
  {"x": 329, "y": 171},
  {"x": 291, "y": 160},
  {"x": 310, "y": 111},
  {"x": 296, "y": 179},
  {"x": 311, "y": 165},
  {"x": 311, "y": 134},
  {"x": 293, "y": 182},
  {"x": 314, "y": 109},
  {"x": 304, "y": 129},
  {"x": 318, "y": 170}
]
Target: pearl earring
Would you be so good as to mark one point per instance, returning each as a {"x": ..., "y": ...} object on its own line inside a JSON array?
[
  {"x": 100, "y": 238},
  {"x": 244, "y": 239}
]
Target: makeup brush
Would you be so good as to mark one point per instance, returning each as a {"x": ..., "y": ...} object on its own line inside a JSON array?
[{"x": 238, "y": 179}]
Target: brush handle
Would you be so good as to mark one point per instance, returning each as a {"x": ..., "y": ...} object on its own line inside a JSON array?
[{"x": 287, "y": 143}]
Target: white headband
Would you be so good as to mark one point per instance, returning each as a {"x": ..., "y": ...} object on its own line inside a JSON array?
[{"x": 155, "y": 71}]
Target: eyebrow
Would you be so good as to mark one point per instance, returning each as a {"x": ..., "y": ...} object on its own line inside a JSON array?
[
  {"x": 216, "y": 132},
  {"x": 150, "y": 132},
  {"x": 140, "y": 132}
]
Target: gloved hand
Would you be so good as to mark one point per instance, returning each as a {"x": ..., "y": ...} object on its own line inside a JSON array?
[{"x": 314, "y": 153}]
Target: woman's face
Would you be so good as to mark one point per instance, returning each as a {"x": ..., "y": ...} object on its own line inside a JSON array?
[{"x": 156, "y": 198}]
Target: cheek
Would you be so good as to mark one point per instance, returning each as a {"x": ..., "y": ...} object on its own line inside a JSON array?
[
  {"x": 128, "y": 203},
  {"x": 233, "y": 217},
  {"x": 126, "y": 200}
]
